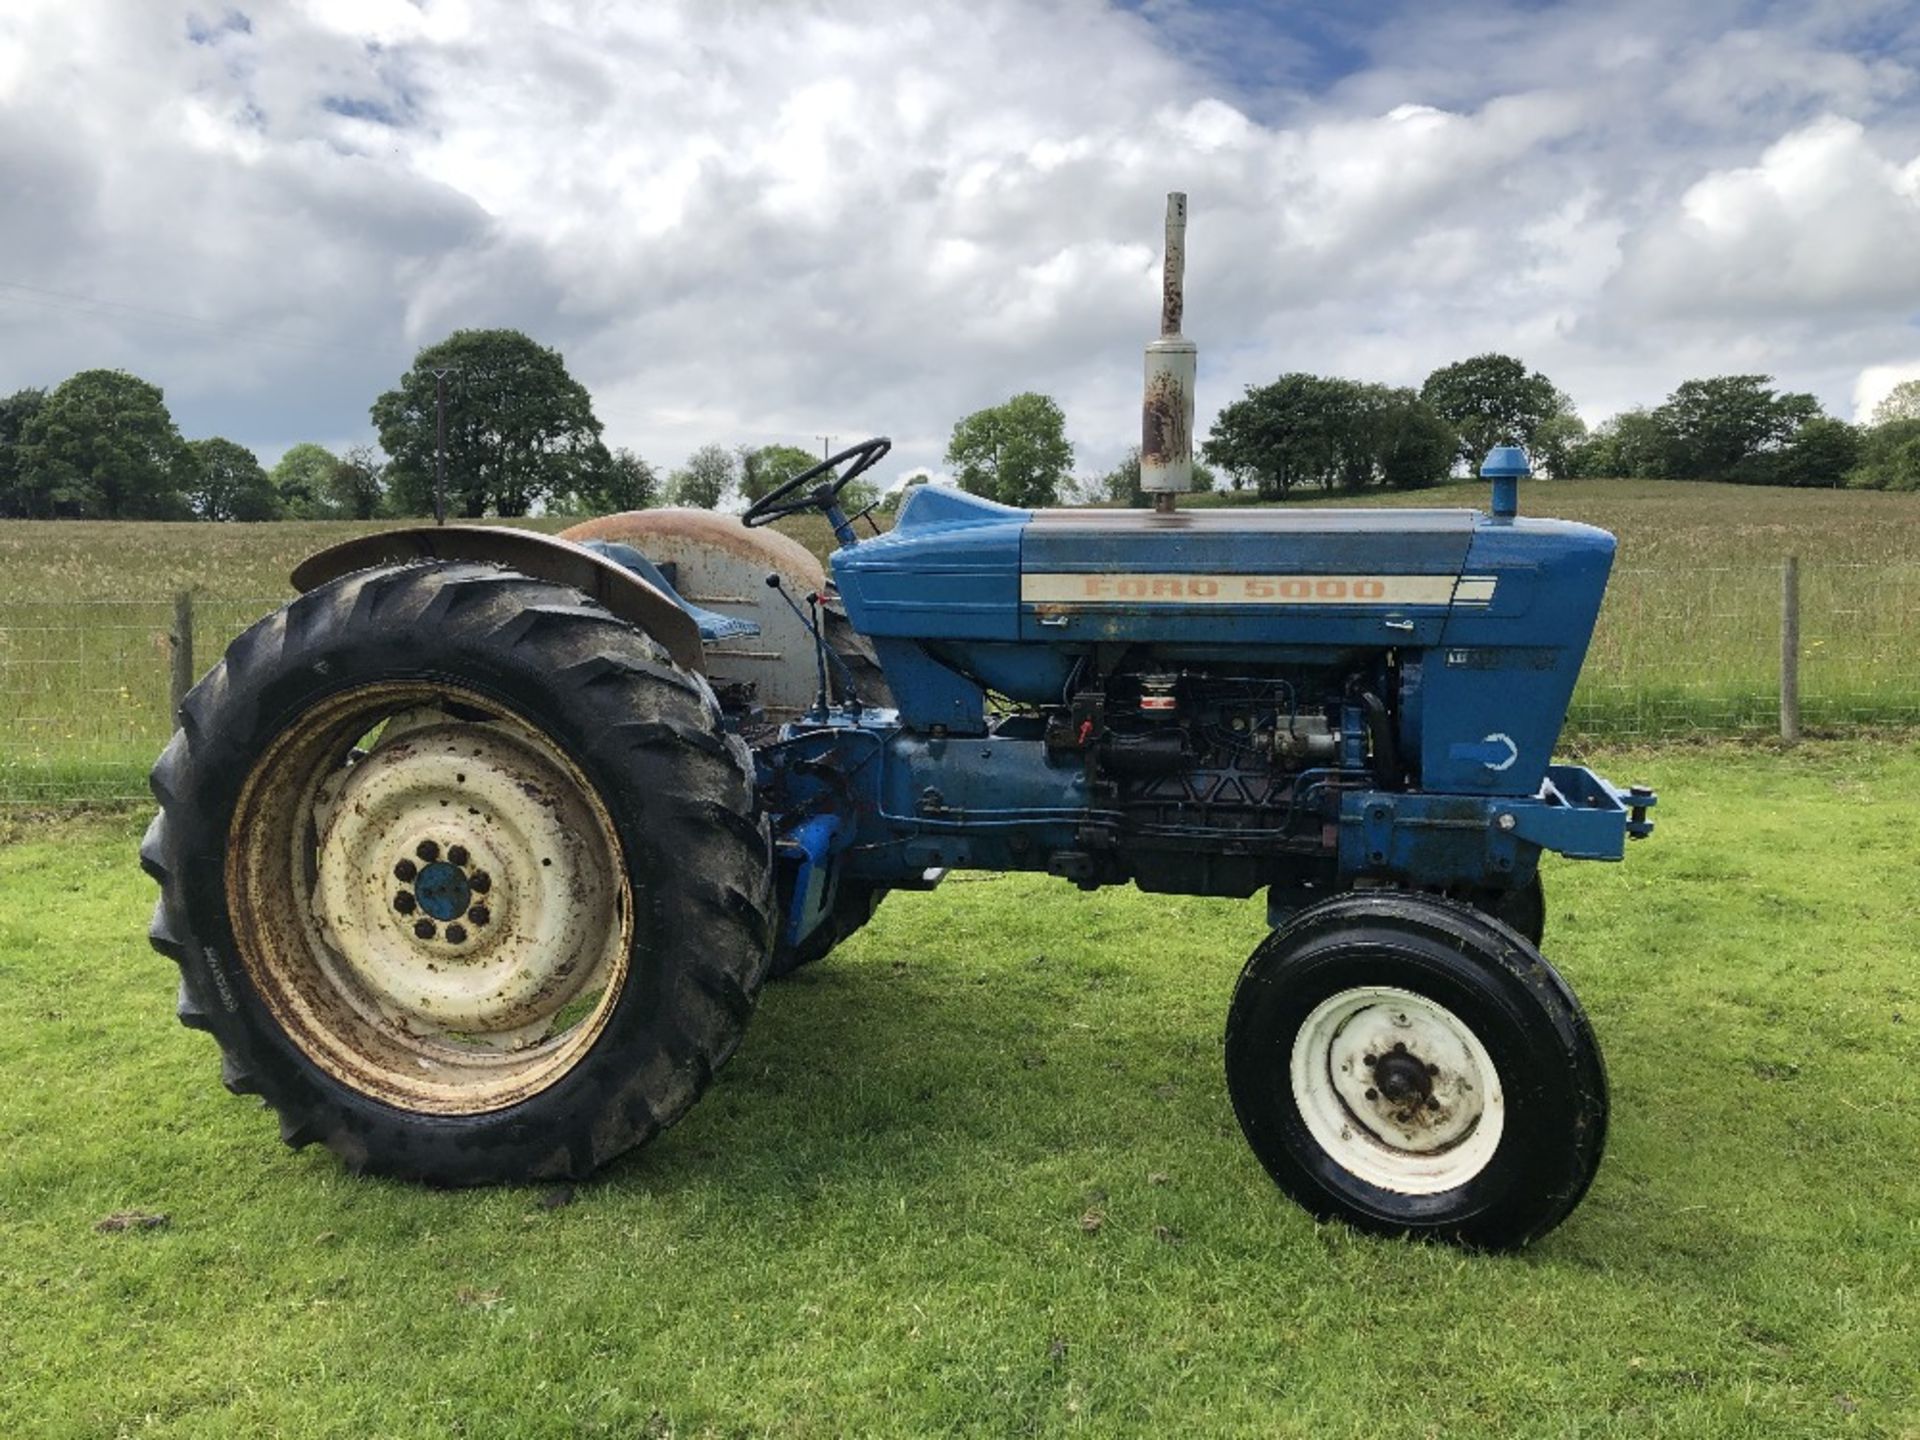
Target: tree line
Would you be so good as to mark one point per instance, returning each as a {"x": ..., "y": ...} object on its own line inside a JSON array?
[
  {"x": 520, "y": 436},
  {"x": 1333, "y": 434}
]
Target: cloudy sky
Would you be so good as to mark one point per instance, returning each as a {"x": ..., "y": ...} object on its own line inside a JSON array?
[{"x": 756, "y": 220}]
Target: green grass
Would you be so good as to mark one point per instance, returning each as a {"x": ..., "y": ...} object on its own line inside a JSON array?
[
  {"x": 874, "y": 1223},
  {"x": 1688, "y": 641}
]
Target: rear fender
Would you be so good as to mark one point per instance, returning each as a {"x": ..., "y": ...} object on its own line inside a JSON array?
[{"x": 543, "y": 557}]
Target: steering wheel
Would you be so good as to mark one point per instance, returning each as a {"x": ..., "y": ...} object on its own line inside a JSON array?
[{"x": 779, "y": 500}]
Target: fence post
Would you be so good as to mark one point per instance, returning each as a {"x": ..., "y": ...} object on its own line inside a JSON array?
[
  {"x": 1790, "y": 650},
  {"x": 180, "y": 641}
]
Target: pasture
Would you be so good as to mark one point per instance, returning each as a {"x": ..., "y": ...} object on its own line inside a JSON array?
[
  {"x": 1688, "y": 643},
  {"x": 976, "y": 1174}
]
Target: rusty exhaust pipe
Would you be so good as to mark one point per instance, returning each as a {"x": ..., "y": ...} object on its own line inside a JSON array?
[{"x": 1166, "y": 413}]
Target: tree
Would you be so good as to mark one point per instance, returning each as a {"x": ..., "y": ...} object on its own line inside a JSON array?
[
  {"x": 625, "y": 483},
  {"x": 19, "y": 496},
  {"x": 1712, "y": 426},
  {"x": 706, "y": 479},
  {"x": 1314, "y": 430},
  {"x": 1632, "y": 444},
  {"x": 891, "y": 502},
  {"x": 1822, "y": 453},
  {"x": 859, "y": 495},
  {"x": 226, "y": 482},
  {"x": 102, "y": 445},
  {"x": 1554, "y": 441},
  {"x": 1889, "y": 457},
  {"x": 302, "y": 480},
  {"x": 764, "y": 470},
  {"x": 1121, "y": 485},
  {"x": 1016, "y": 452},
  {"x": 520, "y": 429},
  {"x": 1491, "y": 400},
  {"x": 1901, "y": 403},
  {"x": 1413, "y": 446},
  {"x": 357, "y": 485}
]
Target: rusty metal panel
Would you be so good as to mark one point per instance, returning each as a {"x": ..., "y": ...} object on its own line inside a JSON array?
[{"x": 721, "y": 564}]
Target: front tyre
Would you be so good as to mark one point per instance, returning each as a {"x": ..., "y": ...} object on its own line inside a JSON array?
[
  {"x": 461, "y": 873},
  {"x": 1409, "y": 1066}
]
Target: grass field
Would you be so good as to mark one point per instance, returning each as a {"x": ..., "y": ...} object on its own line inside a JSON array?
[
  {"x": 976, "y": 1174},
  {"x": 1662, "y": 524},
  {"x": 1688, "y": 642}
]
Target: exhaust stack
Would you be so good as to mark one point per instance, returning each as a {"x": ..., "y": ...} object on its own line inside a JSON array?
[{"x": 1166, "y": 414}]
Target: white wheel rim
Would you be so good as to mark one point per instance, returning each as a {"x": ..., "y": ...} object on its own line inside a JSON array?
[
  {"x": 459, "y": 888},
  {"x": 442, "y": 918},
  {"x": 1397, "y": 1090}
]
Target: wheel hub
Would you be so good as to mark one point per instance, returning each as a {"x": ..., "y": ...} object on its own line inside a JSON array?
[
  {"x": 459, "y": 883},
  {"x": 443, "y": 891},
  {"x": 1398, "y": 1089},
  {"x": 1404, "y": 1080}
]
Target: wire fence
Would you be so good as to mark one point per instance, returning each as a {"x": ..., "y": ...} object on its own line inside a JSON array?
[
  {"x": 85, "y": 686},
  {"x": 1679, "y": 654}
]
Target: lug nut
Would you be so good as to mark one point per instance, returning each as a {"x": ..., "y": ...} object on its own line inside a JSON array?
[
  {"x": 1373, "y": 1094},
  {"x": 479, "y": 915},
  {"x": 1432, "y": 1069},
  {"x": 480, "y": 881},
  {"x": 423, "y": 928},
  {"x": 457, "y": 854},
  {"x": 456, "y": 934},
  {"x": 427, "y": 851},
  {"x": 1372, "y": 1060},
  {"x": 404, "y": 902},
  {"x": 404, "y": 871}
]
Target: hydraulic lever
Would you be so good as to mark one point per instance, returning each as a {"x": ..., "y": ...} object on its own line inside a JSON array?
[{"x": 822, "y": 652}]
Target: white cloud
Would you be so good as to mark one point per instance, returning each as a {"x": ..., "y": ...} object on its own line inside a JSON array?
[
  {"x": 759, "y": 221},
  {"x": 1822, "y": 225},
  {"x": 1876, "y": 382}
]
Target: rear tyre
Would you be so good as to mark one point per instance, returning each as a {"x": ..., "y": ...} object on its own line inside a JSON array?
[
  {"x": 1409, "y": 1066},
  {"x": 462, "y": 875}
]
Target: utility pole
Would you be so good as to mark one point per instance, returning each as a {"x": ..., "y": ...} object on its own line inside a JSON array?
[
  {"x": 826, "y": 445},
  {"x": 440, "y": 446}
]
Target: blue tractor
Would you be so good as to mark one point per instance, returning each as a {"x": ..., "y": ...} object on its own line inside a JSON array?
[{"x": 474, "y": 869}]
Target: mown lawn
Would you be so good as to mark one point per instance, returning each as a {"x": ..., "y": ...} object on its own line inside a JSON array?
[{"x": 977, "y": 1174}]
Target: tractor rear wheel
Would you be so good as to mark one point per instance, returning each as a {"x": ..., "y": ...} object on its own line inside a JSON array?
[
  {"x": 462, "y": 874},
  {"x": 1406, "y": 1065}
]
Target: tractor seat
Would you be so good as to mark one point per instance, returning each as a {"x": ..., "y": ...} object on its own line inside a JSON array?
[{"x": 713, "y": 625}]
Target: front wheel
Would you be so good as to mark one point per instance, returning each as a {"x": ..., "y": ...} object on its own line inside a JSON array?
[
  {"x": 462, "y": 874},
  {"x": 1405, "y": 1065}
]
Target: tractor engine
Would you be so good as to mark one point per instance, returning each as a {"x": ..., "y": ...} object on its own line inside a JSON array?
[{"x": 1212, "y": 771}]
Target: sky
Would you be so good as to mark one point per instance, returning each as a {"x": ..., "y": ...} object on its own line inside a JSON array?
[{"x": 757, "y": 221}]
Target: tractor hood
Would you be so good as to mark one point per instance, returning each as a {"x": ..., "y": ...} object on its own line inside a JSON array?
[
  {"x": 960, "y": 568},
  {"x": 1007, "y": 598}
]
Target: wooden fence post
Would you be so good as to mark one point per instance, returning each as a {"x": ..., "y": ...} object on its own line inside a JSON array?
[
  {"x": 180, "y": 641},
  {"x": 1790, "y": 650}
]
